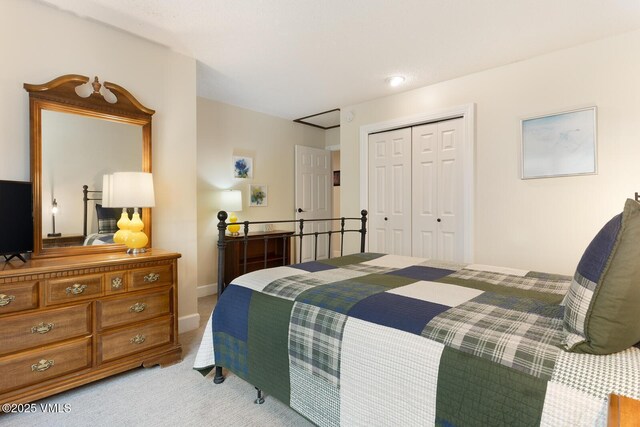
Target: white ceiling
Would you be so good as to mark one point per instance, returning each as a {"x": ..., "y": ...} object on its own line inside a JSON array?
[{"x": 292, "y": 58}]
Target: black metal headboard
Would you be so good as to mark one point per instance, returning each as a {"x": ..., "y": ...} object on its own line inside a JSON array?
[
  {"x": 637, "y": 197},
  {"x": 86, "y": 199},
  {"x": 245, "y": 238}
]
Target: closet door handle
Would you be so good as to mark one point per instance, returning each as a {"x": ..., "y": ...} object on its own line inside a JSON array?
[
  {"x": 439, "y": 220},
  {"x": 300, "y": 210},
  {"x": 385, "y": 218}
]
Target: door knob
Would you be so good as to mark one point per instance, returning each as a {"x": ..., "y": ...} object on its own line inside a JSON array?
[
  {"x": 300, "y": 210},
  {"x": 385, "y": 218},
  {"x": 438, "y": 220}
]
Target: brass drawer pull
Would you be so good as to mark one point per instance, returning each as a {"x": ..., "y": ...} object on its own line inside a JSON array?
[
  {"x": 138, "y": 339},
  {"x": 116, "y": 283},
  {"x": 6, "y": 299},
  {"x": 138, "y": 307},
  {"x": 42, "y": 365},
  {"x": 151, "y": 277},
  {"x": 76, "y": 289},
  {"x": 42, "y": 328}
]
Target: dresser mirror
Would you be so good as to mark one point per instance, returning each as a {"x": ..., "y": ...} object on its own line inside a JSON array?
[{"x": 81, "y": 130}]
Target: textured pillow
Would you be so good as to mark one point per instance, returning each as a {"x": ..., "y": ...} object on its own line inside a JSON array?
[
  {"x": 602, "y": 313},
  {"x": 107, "y": 219}
]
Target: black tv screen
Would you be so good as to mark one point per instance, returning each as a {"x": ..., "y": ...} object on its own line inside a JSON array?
[{"x": 16, "y": 217}]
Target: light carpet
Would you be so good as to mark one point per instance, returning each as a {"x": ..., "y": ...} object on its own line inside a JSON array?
[{"x": 172, "y": 396}]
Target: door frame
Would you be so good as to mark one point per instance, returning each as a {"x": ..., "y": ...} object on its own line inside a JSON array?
[{"x": 468, "y": 114}]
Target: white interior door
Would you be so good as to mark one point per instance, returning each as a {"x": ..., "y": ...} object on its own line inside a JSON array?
[
  {"x": 390, "y": 192},
  {"x": 438, "y": 231},
  {"x": 313, "y": 184},
  {"x": 450, "y": 191}
]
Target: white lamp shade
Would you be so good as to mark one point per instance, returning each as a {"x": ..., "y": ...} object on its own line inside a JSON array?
[
  {"x": 107, "y": 183},
  {"x": 231, "y": 200},
  {"x": 132, "y": 190}
]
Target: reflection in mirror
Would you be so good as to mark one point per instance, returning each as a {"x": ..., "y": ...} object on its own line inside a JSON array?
[{"x": 78, "y": 150}]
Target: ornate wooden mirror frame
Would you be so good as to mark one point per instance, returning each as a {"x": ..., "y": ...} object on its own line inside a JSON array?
[{"x": 60, "y": 95}]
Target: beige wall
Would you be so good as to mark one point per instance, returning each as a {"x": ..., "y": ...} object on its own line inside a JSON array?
[
  {"x": 39, "y": 43},
  {"x": 542, "y": 224},
  {"x": 225, "y": 131}
]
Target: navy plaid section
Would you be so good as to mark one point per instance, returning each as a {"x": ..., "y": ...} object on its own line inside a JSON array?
[
  {"x": 231, "y": 353},
  {"x": 550, "y": 284},
  {"x": 521, "y": 340},
  {"x": 315, "y": 337}
]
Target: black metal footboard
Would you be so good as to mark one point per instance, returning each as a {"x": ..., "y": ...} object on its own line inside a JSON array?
[{"x": 300, "y": 235}]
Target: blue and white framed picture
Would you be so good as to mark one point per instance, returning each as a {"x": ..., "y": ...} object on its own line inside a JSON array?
[
  {"x": 560, "y": 144},
  {"x": 242, "y": 167}
]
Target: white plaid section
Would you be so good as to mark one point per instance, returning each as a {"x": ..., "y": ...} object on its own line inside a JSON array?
[
  {"x": 388, "y": 377},
  {"x": 524, "y": 341},
  {"x": 315, "y": 335},
  {"x": 292, "y": 286},
  {"x": 547, "y": 284},
  {"x": 577, "y": 304},
  {"x": 565, "y": 406},
  {"x": 314, "y": 397},
  {"x": 368, "y": 269},
  {"x": 440, "y": 293},
  {"x": 258, "y": 280},
  {"x": 497, "y": 269},
  {"x": 600, "y": 375},
  {"x": 394, "y": 261},
  {"x": 205, "y": 357}
]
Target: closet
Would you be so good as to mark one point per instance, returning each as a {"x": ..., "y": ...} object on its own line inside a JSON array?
[{"x": 416, "y": 191}]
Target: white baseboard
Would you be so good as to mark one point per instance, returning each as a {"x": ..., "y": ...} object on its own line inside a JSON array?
[
  {"x": 188, "y": 323},
  {"x": 206, "y": 290}
]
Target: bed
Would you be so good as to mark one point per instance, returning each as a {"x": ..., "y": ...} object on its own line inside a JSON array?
[
  {"x": 107, "y": 218},
  {"x": 375, "y": 339}
]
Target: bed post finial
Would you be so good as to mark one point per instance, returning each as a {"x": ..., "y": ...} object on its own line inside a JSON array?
[
  {"x": 363, "y": 229},
  {"x": 222, "y": 227}
]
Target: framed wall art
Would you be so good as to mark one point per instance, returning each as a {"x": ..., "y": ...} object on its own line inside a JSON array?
[
  {"x": 258, "y": 195},
  {"x": 560, "y": 144},
  {"x": 242, "y": 167}
]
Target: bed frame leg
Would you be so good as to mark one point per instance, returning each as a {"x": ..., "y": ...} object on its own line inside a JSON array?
[
  {"x": 218, "y": 378},
  {"x": 260, "y": 399}
]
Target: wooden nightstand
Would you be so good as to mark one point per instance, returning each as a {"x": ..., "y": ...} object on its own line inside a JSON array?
[
  {"x": 276, "y": 252},
  {"x": 623, "y": 411}
]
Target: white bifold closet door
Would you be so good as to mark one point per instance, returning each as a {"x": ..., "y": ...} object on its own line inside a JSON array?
[{"x": 415, "y": 191}]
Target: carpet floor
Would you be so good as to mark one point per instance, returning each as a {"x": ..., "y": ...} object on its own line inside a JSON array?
[{"x": 172, "y": 396}]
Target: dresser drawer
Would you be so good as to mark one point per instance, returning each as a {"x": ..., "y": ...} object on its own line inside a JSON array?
[
  {"x": 134, "y": 339},
  {"x": 160, "y": 275},
  {"x": 116, "y": 282},
  {"x": 44, "y": 327},
  {"x": 18, "y": 297},
  {"x": 133, "y": 309},
  {"x": 37, "y": 366},
  {"x": 59, "y": 291}
]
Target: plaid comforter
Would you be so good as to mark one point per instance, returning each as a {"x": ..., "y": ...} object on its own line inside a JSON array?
[{"x": 372, "y": 339}]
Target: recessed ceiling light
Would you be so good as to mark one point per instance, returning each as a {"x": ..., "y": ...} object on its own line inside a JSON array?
[{"x": 395, "y": 80}]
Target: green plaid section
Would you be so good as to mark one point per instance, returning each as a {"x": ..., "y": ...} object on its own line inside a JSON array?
[
  {"x": 292, "y": 286},
  {"x": 339, "y": 296},
  {"x": 548, "y": 284},
  {"x": 231, "y": 353},
  {"x": 315, "y": 337},
  {"x": 577, "y": 302},
  {"x": 522, "y": 340}
]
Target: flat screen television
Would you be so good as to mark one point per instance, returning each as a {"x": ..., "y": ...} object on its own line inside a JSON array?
[{"x": 16, "y": 218}]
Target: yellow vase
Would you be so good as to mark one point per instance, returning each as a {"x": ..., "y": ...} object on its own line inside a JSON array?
[{"x": 233, "y": 227}]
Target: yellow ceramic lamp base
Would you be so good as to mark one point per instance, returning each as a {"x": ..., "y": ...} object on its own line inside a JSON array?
[
  {"x": 136, "y": 240},
  {"x": 123, "y": 228},
  {"x": 233, "y": 228}
]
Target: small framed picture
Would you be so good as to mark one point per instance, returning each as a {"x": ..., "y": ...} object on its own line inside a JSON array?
[
  {"x": 560, "y": 144},
  {"x": 258, "y": 195},
  {"x": 336, "y": 178},
  {"x": 242, "y": 167}
]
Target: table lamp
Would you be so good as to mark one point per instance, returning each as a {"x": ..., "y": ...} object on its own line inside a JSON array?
[
  {"x": 132, "y": 189},
  {"x": 54, "y": 212},
  {"x": 231, "y": 201}
]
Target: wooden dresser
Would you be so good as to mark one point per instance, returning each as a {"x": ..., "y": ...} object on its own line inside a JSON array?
[
  {"x": 270, "y": 246},
  {"x": 68, "y": 321}
]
